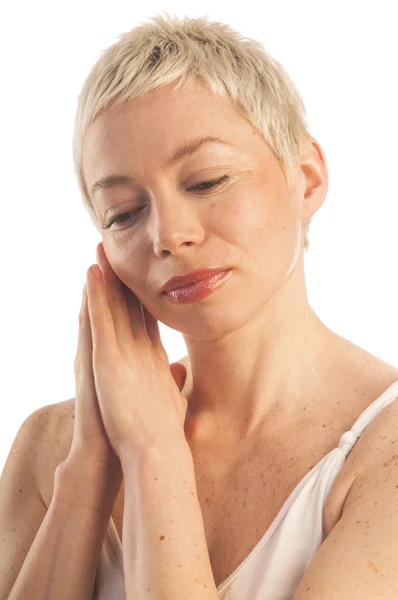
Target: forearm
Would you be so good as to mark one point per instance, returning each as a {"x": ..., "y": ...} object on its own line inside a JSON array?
[
  {"x": 63, "y": 558},
  {"x": 165, "y": 553}
]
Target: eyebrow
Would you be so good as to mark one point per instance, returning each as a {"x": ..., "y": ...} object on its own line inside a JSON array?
[{"x": 110, "y": 181}]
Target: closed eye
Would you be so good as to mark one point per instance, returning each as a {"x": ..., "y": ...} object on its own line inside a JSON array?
[{"x": 210, "y": 184}]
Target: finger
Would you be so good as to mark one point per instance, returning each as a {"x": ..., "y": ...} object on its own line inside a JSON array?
[
  {"x": 152, "y": 328},
  {"x": 137, "y": 322},
  {"x": 116, "y": 300},
  {"x": 88, "y": 420},
  {"x": 105, "y": 342},
  {"x": 83, "y": 359},
  {"x": 86, "y": 394}
]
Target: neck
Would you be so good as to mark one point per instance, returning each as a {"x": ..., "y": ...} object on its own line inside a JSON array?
[{"x": 263, "y": 372}]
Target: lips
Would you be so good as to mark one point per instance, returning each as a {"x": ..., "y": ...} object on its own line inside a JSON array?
[{"x": 198, "y": 275}]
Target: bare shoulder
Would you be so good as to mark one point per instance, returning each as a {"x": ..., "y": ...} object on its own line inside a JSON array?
[
  {"x": 57, "y": 431},
  {"x": 372, "y": 444},
  {"x": 378, "y": 441}
]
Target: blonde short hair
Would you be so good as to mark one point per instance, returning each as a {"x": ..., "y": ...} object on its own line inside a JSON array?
[{"x": 167, "y": 50}]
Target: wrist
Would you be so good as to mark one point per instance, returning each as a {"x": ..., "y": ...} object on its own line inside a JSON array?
[
  {"x": 155, "y": 451},
  {"x": 80, "y": 483}
]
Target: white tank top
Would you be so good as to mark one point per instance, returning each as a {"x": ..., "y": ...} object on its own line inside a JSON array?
[{"x": 276, "y": 565}]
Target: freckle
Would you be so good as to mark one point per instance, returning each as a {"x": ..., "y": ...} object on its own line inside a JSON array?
[
  {"x": 21, "y": 490},
  {"x": 393, "y": 442},
  {"x": 323, "y": 425},
  {"x": 161, "y": 537},
  {"x": 180, "y": 566},
  {"x": 184, "y": 481},
  {"x": 155, "y": 478}
]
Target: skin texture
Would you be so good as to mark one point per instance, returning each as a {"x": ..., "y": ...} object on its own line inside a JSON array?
[
  {"x": 259, "y": 357},
  {"x": 255, "y": 345}
]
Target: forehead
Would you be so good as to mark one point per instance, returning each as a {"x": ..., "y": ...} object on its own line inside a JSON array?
[
  {"x": 148, "y": 129},
  {"x": 165, "y": 110}
]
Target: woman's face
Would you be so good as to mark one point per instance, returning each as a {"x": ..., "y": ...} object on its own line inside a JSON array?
[{"x": 249, "y": 222}]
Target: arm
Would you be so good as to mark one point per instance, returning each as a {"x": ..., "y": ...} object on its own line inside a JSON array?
[
  {"x": 165, "y": 554},
  {"x": 47, "y": 554},
  {"x": 143, "y": 411},
  {"x": 63, "y": 559}
]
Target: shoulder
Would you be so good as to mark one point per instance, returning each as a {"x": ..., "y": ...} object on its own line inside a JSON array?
[
  {"x": 379, "y": 440},
  {"x": 375, "y": 442},
  {"x": 376, "y": 447},
  {"x": 54, "y": 424}
]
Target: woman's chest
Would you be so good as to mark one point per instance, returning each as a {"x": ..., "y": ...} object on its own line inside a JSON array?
[
  {"x": 240, "y": 497},
  {"x": 239, "y": 505}
]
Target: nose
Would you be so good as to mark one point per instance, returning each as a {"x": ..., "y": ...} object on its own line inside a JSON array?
[{"x": 174, "y": 224}]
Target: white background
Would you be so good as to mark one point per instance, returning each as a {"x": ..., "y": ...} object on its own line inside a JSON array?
[{"x": 343, "y": 58}]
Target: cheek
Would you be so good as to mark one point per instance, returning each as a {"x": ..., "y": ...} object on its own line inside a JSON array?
[
  {"x": 134, "y": 278},
  {"x": 247, "y": 221},
  {"x": 261, "y": 225}
]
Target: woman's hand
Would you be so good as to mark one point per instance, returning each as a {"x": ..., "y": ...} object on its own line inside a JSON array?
[
  {"x": 90, "y": 445},
  {"x": 139, "y": 393}
]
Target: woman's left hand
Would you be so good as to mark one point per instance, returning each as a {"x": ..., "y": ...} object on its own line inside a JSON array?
[{"x": 139, "y": 392}]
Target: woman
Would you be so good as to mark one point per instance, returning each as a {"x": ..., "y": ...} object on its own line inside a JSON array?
[{"x": 261, "y": 465}]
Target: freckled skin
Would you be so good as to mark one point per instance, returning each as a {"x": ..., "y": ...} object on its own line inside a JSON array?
[
  {"x": 245, "y": 350},
  {"x": 259, "y": 357}
]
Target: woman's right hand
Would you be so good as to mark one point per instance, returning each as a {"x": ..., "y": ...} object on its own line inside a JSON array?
[{"x": 90, "y": 445}]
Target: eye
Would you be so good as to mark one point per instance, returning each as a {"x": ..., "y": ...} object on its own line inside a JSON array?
[
  {"x": 120, "y": 219},
  {"x": 210, "y": 184},
  {"x": 124, "y": 217}
]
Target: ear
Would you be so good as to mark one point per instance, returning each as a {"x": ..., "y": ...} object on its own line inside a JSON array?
[
  {"x": 179, "y": 374},
  {"x": 315, "y": 173}
]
